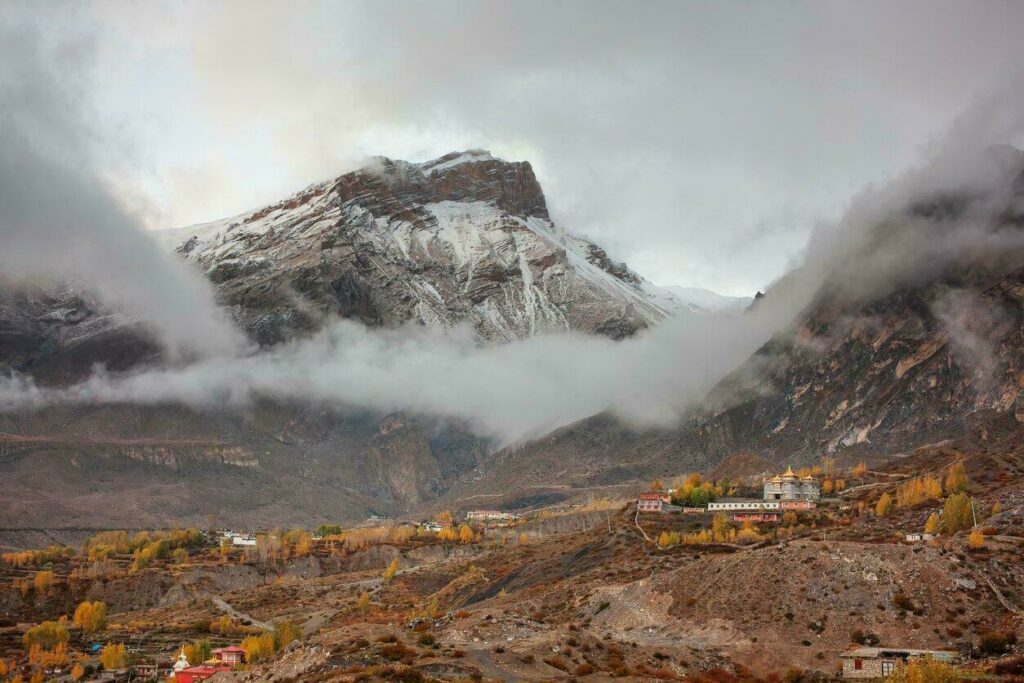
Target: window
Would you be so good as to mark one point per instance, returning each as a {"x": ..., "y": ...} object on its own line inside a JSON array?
[
  {"x": 887, "y": 668},
  {"x": 858, "y": 664}
]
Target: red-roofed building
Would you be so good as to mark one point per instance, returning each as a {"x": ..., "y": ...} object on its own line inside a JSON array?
[
  {"x": 650, "y": 502},
  {"x": 199, "y": 673},
  {"x": 232, "y": 655}
]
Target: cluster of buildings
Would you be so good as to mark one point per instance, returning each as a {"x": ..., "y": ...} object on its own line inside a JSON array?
[
  {"x": 224, "y": 659},
  {"x": 496, "y": 516},
  {"x": 781, "y": 493},
  {"x": 239, "y": 538}
]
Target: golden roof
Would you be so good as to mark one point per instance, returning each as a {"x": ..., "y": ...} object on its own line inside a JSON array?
[{"x": 789, "y": 471}]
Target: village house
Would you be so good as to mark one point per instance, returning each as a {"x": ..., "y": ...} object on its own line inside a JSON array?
[
  {"x": 232, "y": 655},
  {"x": 146, "y": 671},
  {"x": 650, "y": 501},
  {"x": 789, "y": 486},
  {"x": 742, "y": 505},
  {"x": 919, "y": 537},
  {"x": 240, "y": 539},
  {"x": 797, "y": 505},
  {"x": 490, "y": 516},
  {"x": 879, "y": 662}
]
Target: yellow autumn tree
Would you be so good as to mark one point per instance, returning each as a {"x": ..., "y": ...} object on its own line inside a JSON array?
[
  {"x": 444, "y": 518},
  {"x": 258, "y": 648},
  {"x": 466, "y": 534},
  {"x": 113, "y": 656},
  {"x": 198, "y": 651},
  {"x": 44, "y": 658},
  {"x": 933, "y": 524},
  {"x": 390, "y": 572},
  {"x": 90, "y": 616},
  {"x": 860, "y": 470},
  {"x": 828, "y": 466},
  {"x": 43, "y": 581},
  {"x": 47, "y": 634},
  {"x": 37, "y": 677},
  {"x": 957, "y": 513},
  {"x": 918, "y": 490},
  {"x": 827, "y": 486},
  {"x": 747, "y": 533},
  {"x": 956, "y": 478},
  {"x": 720, "y": 527},
  {"x": 225, "y": 548},
  {"x": 223, "y": 625},
  {"x": 884, "y": 505},
  {"x": 77, "y": 671},
  {"x": 363, "y": 603},
  {"x": 924, "y": 670},
  {"x": 976, "y": 540},
  {"x": 839, "y": 485},
  {"x": 997, "y": 507}
]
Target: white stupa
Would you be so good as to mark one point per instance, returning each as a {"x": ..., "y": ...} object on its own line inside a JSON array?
[{"x": 182, "y": 661}]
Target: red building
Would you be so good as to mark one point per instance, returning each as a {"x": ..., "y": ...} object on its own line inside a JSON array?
[
  {"x": 650, "y": 502},
  {"x": 797, "y": 504},
  {"x": 199, "y": 673},
  {"x": 232, "y": 655}
]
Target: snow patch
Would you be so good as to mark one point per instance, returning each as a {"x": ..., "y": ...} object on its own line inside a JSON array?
[{"x": 442, "y": 164}]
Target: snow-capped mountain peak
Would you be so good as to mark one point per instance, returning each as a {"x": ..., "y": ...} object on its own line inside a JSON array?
[{"x": 465, "y": 238}]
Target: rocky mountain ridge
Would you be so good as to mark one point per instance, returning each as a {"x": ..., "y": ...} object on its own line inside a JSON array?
[{"x": 463, "y": 239}]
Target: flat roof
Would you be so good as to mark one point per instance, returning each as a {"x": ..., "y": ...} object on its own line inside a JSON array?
[{"x": 873, "y": 652}]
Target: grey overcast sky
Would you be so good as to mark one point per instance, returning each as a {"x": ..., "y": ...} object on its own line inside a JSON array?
[{"x": 698, "y": 141}]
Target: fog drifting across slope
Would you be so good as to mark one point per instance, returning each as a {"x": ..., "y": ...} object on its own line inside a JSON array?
[
  {"x": 511, "y": 390},
  {"x": 60, "y": 222},
  {"x": 524, "y": 388}
]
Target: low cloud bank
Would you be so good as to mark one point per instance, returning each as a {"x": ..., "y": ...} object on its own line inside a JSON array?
[{"x": 509, "y": 391}]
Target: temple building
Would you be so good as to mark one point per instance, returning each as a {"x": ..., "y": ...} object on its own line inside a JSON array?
[{"x": 789, "y": 486}]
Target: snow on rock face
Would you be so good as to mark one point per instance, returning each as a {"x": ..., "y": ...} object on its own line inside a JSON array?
[
  {"x": 705, "y": 299},
  {"x": 464, "y": 239}
]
